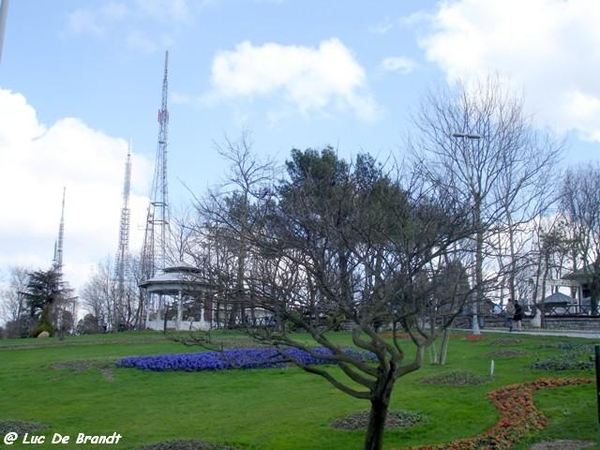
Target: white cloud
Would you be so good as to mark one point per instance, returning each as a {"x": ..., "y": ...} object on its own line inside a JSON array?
[
  {"x": 37, "y": 162},
  {"x": 319, "y": 80},
  {"x": 398, "y": 64},
  {"x": 82, "y": 21},
  {"x": 549, "y": 48},
  {"x": 383, "y": 27},
  {"x": 115, "y": 10},
  {"x": 144, "y": 25},
  {"x": 137, "y": 40},
  {"x": 164, "y": 10},
  {"x": 180, "y": 98}
]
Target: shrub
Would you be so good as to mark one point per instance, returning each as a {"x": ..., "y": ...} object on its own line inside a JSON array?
[
  {"x": 44, "y": 326},
  {"x": 574, "y": 357},
  {"x": 567, "y": 361}
]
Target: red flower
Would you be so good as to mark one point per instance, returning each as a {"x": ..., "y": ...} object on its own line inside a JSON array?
[{"x": 518, "y": 416}]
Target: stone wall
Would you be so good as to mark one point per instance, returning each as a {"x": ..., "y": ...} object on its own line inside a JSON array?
[
  {"x": 552, "y": 322},
  {"x": 573, "y": 323}
]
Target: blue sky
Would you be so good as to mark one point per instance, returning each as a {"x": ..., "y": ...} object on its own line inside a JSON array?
[{"x": 80, "y": 79}]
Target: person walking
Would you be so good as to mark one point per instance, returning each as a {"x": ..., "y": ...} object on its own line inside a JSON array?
[{"x": 518, "y": 317}]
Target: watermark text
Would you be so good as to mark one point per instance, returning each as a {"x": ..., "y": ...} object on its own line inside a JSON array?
[{"x": 12, "y": 437}]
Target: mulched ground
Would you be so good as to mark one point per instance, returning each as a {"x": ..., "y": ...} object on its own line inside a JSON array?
[
  {"x": 360, "y": 420},
  {"x": 104, "y": 366},
  {"x": 186, "y": 444},
  {"x": 562, "y": 445},
  {"x": 20, "y": 428},
  {"x": 456, "y": 378}
]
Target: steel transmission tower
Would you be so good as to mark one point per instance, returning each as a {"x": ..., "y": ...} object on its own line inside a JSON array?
[
  {"x": 57, "y": 262},
  {"x": 3, "y": 14},
  {"x": 154, "y": 251},
  {"x": 122, "y": 259}
]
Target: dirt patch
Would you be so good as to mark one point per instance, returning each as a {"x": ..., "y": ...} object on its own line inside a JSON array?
[
  {"x": 7, "y": 426},
  {"x": 562, "y": 445},
  {"x": 186, "y": 444},
  {"x": 508, "y": 353},
  {"x": 506, "y": 341},
  {"x": 457, "y": 378},
  {"x": 394, "y": 419},
  {"x": 104, "y": 366}
]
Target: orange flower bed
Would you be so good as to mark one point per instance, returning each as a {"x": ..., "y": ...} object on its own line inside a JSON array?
[
  {"x": 468, "y": 337},
  {"x": 518, "y": 416}
]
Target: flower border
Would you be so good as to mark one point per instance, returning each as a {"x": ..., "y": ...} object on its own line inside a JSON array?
[{"x": 518, "y": 416}]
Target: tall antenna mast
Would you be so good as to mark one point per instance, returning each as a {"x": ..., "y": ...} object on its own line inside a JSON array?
[
  {"x": 58, "y": 246},
  {"x": 154, "y": 252},
  {"x": 3, "y": 14},
  {"x": 122, "y": 259}
]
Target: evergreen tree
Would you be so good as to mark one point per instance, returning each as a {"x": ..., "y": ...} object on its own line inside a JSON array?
[{"x": 46, "y": 291}]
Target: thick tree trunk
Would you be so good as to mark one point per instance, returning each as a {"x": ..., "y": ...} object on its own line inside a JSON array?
[
  {"x": 444, "y": 347},
  {"x": 380, "y": 402},
  {"x": 376, "y": 427},
  {"x": 479, "y": 240}
]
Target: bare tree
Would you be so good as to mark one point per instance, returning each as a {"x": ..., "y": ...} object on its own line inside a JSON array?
[
  {"x": 226, "y": 210},
  {"x": 99, "y": 293},
  {"x": 478, "y": 142},
  {"x": 114, "y": 307},
  {"x": 349, "y": 248},
  {"x": 13, "y": 308},
  {"x": 580, "y": 205}
]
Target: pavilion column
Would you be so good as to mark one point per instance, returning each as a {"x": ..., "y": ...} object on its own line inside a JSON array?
[{"x": 179, "y": 310}]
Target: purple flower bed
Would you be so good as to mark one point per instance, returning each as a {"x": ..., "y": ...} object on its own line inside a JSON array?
[{"x": 246, "y": 358}]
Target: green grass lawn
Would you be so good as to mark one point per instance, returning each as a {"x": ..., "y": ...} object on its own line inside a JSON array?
[{"x": 72, "y": 387}]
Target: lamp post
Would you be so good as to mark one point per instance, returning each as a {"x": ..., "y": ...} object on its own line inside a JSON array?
[{"x": 478, "y": 263}]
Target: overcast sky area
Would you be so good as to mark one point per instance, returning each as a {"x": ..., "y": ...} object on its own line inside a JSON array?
[{"x": 79, "y": 80}]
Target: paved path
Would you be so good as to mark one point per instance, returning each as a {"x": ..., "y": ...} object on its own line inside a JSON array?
[{"x": 587, "y": 334}]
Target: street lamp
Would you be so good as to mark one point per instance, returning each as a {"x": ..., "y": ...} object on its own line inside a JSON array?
[{"x": 475, "y": 319}]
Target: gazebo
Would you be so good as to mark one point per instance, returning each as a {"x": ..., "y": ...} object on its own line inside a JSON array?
[{"x": 180, "y": 283}]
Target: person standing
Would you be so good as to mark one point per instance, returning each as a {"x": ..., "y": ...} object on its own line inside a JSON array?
[
  {"x": 509, "y": 312},
  {"x": 518, "y": 317}
]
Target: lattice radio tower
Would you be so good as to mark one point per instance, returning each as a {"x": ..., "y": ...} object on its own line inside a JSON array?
[
  {"x": 154, "y": 251},
  {"x": 122, "y": 258},
  {"x": 57, "y": 262}
]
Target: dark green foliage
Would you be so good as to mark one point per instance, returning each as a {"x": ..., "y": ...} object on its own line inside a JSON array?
[
  {"x": 575, "y": 356},
  {"x": 44, "y": 293},
  {"x": 42, "y": 326},
  {"x": 88, "y": 325},
  {"x": 567, "y": 361}
]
